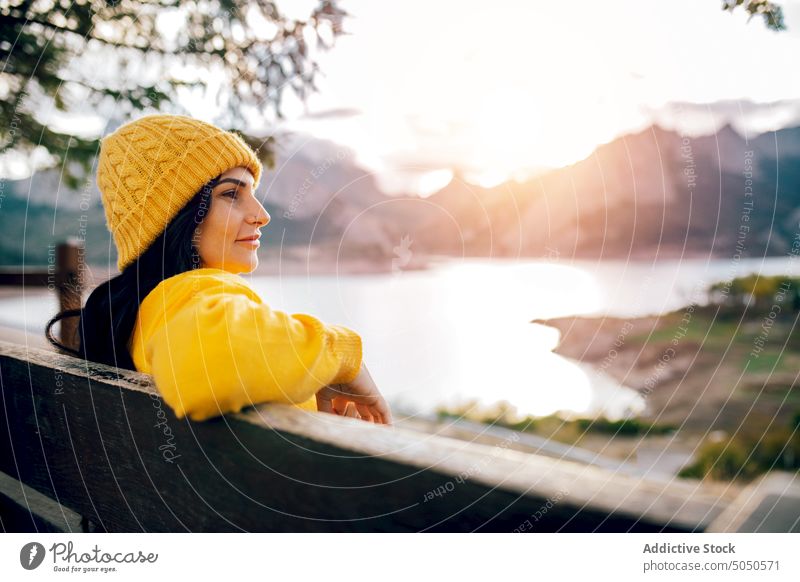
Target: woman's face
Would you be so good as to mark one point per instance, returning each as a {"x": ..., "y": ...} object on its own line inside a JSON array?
[{"x": 228, "y": 236}]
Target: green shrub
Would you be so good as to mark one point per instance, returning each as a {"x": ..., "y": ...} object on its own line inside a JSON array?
[
  {"x": 626, "y": 427},
  {"x": 744, "y": 456}
]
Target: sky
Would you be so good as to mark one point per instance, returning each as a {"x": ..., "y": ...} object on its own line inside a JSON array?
[{"x": 504, "y": 89}]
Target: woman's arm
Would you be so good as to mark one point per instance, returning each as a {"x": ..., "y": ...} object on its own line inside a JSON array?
[
  {"x": 214, "y": 347},
  {"x": 359, "y": 398}
]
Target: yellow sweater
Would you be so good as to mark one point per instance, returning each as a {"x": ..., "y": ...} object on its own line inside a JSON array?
[{"x": 213, "y": 346}]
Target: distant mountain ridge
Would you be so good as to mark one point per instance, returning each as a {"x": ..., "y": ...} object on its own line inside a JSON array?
[
  {"x": 642, "y": 195},
  {"x": 653, "y": 193}
]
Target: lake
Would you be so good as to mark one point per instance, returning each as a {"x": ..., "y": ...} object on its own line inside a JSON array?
[{"x": 460, "y": 330}]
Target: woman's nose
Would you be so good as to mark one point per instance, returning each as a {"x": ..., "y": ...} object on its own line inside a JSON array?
[{"x": 261, "y": 216}]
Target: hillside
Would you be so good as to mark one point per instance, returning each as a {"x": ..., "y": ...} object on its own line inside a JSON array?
[{"x": 648, "y": 194}]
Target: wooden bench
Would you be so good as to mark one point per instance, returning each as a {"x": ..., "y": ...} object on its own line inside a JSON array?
[
  {"x": 65, "y": 274},
  {"x": 88, "y": 448},
  {"x": 770, "y": 504}
]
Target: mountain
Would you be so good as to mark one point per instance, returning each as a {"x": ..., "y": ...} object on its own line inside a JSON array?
[
  {"x": 316, "y": 195},
  {"x": 652, "y": 193}
]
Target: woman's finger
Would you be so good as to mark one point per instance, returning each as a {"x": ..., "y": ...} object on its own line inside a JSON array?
[
  {"x": 325, "y": 405},
  {"x": 374, "y": 415},
  {"x": 350, "y": 410},
  {"x": 382, "y": 409},
  {"x": 387, "y": 415},
  {"x": 339, "y": 405},
  {"x": 365, "y": 412}
]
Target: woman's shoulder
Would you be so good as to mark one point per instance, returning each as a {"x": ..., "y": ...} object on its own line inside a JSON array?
[
  {"x": 179, "y": 289},
  {"x": 205, "y": 276}
]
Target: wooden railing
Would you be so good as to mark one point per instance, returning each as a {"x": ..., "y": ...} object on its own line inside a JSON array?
[
  {"x": 87, "y": 447},
  {"x": 65, "y": 275}
]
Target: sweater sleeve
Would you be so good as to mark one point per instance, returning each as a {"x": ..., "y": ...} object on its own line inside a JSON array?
[{"x": 212, "y": 347}]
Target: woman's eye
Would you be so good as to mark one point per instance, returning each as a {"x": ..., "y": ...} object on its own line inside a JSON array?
[{"x": 231, "y": 193}]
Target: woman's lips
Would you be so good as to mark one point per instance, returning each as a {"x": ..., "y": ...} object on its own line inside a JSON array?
[{"x": 251, "y": 241}]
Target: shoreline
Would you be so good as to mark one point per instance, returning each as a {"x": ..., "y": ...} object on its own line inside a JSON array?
[{"x": 690, "y": 370}]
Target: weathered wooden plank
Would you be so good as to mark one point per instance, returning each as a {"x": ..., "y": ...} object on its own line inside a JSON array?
[
  {"x": 23, "y": 509},
  {"x": 104, "y": 444},
  {"x": 770, "y": 504},
  {"x": 65, "y": 274},
  {"x": 19, "y": 277}
]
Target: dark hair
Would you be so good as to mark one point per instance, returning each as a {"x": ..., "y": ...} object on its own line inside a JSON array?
[{"x": 107, "y": 319}]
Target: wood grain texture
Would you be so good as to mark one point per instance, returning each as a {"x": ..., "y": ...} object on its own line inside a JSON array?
[
  {"x": 104, "y": 444},
  {"x": 23, "y": 509},
  {"x": 770, "y": 504}
]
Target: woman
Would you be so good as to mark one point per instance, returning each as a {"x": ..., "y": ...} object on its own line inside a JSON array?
[{"x": 179, "y": 198}]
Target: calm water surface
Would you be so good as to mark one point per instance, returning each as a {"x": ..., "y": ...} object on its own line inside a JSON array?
[{"x": 460, "y": 330}]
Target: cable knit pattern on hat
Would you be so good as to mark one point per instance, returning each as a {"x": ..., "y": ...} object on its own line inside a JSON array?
[{"x": 148, "y": 169}]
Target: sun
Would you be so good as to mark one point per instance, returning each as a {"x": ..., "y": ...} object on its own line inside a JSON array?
[
  {"x": 507, "y": 131},
  {"x": 517, "y": 132}
]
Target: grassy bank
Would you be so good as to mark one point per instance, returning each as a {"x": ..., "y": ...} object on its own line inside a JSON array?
[{"x": 721, "y": 373}]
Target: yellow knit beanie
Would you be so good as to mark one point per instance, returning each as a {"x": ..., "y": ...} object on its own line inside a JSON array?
[{"x": 148, "y": 169}]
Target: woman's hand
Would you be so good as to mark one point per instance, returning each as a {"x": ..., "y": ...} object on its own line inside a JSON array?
[{"x": 357, "y": 399}]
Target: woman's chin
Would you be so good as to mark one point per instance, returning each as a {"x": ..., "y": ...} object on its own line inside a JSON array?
[
  {"x": 244, "y": 268},
  {"x": 238, "y": 266}
]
